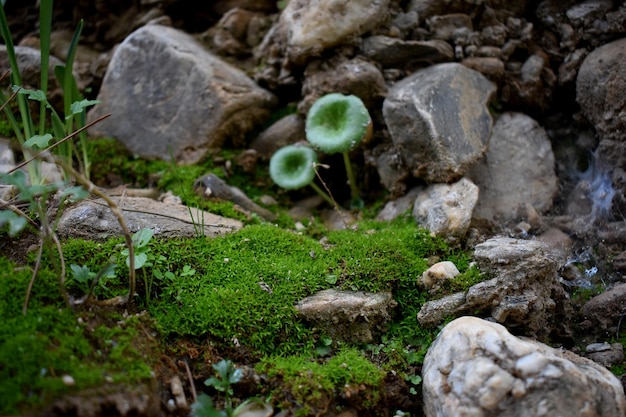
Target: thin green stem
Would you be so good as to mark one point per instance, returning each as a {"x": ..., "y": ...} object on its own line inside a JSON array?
[
  {"x": 321, "y": 192},
  {"x": 351, "y": 180}
]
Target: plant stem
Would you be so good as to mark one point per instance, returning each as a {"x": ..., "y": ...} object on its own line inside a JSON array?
[
  {"x": 325, "y": 196},
  {"x": 351, "y": 180}
]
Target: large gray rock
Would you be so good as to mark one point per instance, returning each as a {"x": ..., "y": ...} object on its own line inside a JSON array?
[
  {"x": 477, "y": 368},
  {"x": 517, "y": 169},
  {"x": 439, "y": 120},
  {"x": 168, "y": 96},
  {"x": 600, "y": 89}
]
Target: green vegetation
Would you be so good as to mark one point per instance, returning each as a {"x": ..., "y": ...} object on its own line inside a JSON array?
[
  {"x": 51, "y": 342},
  {"x": 314, "y": 385}
]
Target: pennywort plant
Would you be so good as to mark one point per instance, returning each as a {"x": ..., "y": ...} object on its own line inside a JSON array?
[
  {"x": 293, "y": 167},
  {"x": 337, "y": 123}
]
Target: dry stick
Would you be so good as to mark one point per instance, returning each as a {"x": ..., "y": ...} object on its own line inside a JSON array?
[
  {"x": 336, "y": 206},
  {"x": 16, "y": 210},
  {"x": 192, "y": 387},
  {"x": 32, "y": 279},
  {"x": 68, "y": 137}
]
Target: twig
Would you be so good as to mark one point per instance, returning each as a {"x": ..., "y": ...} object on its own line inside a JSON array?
[
  {"x": 57, "y": 143},
  {"x": 336, "y": 206},
  {"x": 32, "y": 279},
  {"x": 192, "y": 387}
]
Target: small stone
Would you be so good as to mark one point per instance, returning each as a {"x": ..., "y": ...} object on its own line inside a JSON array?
[{"x": 68, "y": 380}]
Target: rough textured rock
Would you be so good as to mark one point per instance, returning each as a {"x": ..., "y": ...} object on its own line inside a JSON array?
[
  {"x": 393, "y": 52},
  {"x": 446, "y": 209},
  {"x": 524, "y": 292},
  {"x": 599, "y": 86},
  {"x": 477, "y": 368},
  {"x": 92, "y": 219},
  {"x": 312, "y": 26},
  {"x": 518, "y": 169},
  {"x": 190, "y": 102},
  {"x": 437, "y": 275},
  {"x": 604, "y": 310},
  {"x": 525, "y": 289},
  {"x": 354, "y": 76},
  {"x": 599, "y": 89},
  {"x": 352, "y": 316},
  {"x": 439, "y": 120}
]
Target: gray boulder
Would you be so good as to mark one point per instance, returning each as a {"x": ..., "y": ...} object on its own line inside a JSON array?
[
  {"x": 168, "y": 96},
  {"x": 517, "y": 169},
  {"x": 439, "y": 120},
  {"x": 477, "y": 368}
]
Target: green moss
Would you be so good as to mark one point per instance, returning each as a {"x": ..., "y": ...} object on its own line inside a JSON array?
[
  {"x": 313, "y": 385},
  {"x": 49, "y": 342}
]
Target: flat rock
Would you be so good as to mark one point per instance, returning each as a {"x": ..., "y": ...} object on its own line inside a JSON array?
[
  {"x": 92, "y": 219},
  {"x": 353, "y": 316}
]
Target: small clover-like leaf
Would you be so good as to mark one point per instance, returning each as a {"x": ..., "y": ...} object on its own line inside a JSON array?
[
  {"x": 75, "y": 193},
  {"x": 38, "y": 141},
  {"x": 36, "y": 95},
  {"x": 82, "y": 273},
  {"x": 78, "y": 107},
  {"x": 142, "y": 237},
  {"x": 15, "y": 222}
]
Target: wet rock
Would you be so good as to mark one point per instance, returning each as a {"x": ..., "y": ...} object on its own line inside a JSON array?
[
  {"x": 600, "y": 81},
  {"x": 439, "y": 120},
  {"x": 93, "y": 220},
  {"x": 351, "y": 316},
  {"x": 517, "y": 169},
  {"x": 446, "y": 209},
  {"x": 393, "y": 52},
  {"x": 192, "y": 101},
  {"x": 476, "y": 367}
]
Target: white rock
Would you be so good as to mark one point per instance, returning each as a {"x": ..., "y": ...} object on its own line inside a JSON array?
[{"x": 477, "y": 368}]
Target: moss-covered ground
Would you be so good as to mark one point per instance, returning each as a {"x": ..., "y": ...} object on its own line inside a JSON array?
[{"x": 200, "y": 300}]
